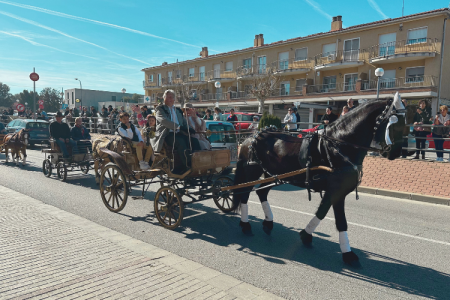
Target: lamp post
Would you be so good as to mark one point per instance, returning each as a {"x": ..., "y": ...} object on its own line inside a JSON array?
[
  {"x": 123, "y": 93},
  {"x": 379, "y": 72},
  {"x": 217, "y": 84},
  {"x": 81, "y": 98}
]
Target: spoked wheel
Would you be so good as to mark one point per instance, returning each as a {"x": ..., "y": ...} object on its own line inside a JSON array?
[
  {"x": 47, "y": 168},
  {"x": 61, "y": 170},
  {"x": 84, "y": 168},
  {"x": 113, "y": 187},
  {"x": 223, "y": 200},
  {"x": 168, "y": 207}
]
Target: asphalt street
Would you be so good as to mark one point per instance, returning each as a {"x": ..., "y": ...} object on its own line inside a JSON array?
[{"x": 404, "y": 246}]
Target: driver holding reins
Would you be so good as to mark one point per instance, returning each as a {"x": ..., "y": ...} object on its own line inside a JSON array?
[{"x": 172, "y": 128}]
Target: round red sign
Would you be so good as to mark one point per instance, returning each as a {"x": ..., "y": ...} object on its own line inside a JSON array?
[
  {"x": 34, "y": 76},
  {"x": 41, "y": 102},
  {"x": 20, "y": 108}
]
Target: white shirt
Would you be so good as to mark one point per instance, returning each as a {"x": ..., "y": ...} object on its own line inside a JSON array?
[
  {"x": 173, "y": 115},
  {"x": 129, "y": 133},
  {"x": 291, "y": 118}
]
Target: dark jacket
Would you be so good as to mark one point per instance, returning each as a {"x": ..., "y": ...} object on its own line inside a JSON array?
[
  {"x": 331, "y": 118},
  {"x": 232, "y": 118},
  {"x": 424, "y": 118},
  {"x": 59, "y": 130},
  {"x": 80, "y": 133},
  {"x": 297, "y": 116}
]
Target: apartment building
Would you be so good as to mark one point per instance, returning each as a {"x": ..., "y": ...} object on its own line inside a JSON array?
[
  {"x": 96, "y": 98},
  {"x": 323, "y": 68}
]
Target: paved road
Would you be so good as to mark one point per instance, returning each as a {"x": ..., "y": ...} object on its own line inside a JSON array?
[{"x": 404, "y": 246}]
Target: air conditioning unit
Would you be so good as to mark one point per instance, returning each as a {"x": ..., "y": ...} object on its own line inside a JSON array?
[{"x": 331, "y": 56}]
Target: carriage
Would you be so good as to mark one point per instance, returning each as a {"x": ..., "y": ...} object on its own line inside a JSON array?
[
  {"x": 204, "y": 181},
  {"x": 53, "y": 159}
]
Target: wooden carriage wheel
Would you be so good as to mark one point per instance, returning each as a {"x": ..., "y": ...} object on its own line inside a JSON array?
[
  {"x": 61, "y": 171},
  {"x": 223, "y": 200},
  {"x": 47, "y": 168},
  {"x": 169, "y": 208},
  {"x": 113, "y": 187}
]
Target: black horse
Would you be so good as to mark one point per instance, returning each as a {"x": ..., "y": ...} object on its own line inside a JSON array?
[{"x": 342, "y": 147}]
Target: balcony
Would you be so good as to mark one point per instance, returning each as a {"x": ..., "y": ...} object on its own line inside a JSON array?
[
  {"x": 331, "y": 88},
  {"x": 339, "y": 59},
  {"x": 292, "y": 66},
  {"x": 253, "y": 70},
  {"x": 214, "y": 97},
  {"x": 399, "y": 51},
  {"x": 195, "y": 79},
  {"x": 224, "y": 76},
  {"x": 171, "y": 82},
  {"x": 149, "y": 85},
  {"x": 403, "y": 82}
]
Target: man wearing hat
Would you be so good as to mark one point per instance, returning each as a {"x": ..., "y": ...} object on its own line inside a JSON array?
[
  {"x": 172, "y": 128},
  {"x": 60, "y": 132},
  {"x": 254, "y": 126}
]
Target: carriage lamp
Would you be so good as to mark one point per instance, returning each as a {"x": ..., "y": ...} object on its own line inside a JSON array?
[
  {"x": 379, "y": 72},
  {"x": 217, "y": 84}
]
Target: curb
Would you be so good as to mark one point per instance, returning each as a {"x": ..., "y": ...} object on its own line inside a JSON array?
[{"x": 405, "y": 195}]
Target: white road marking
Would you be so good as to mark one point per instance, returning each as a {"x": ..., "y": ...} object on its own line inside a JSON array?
[{"x": 361, "y": 225}]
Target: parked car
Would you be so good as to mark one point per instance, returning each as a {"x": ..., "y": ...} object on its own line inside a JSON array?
[
  {"x": 39, "y": 130},
  {"x": 223, "y": 136},
  {"x": 430, "y": 142},
  {"x": 242, "y": 116}
]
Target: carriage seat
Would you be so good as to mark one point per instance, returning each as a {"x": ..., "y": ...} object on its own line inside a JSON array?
[{"x": 56, "y": 149}]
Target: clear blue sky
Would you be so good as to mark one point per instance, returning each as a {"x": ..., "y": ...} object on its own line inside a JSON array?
[{"x": 106, "y": 43}]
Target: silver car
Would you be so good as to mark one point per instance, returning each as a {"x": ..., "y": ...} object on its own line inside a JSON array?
[{"x": 223, "y": 136}]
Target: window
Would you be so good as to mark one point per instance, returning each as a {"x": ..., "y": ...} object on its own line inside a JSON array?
[
  {"x": 351, "y": 50},
  {"x": 248, "y": 89},
  {"x": 415, "y": 74},
  {"x": 169, "y": 77},
  {"x": 159, "y": 79},
  {"x": 283, "y": 60},
  {"x": 350, "y": 82},
  {"x": 201, "y": 72},
  {"x": 229, "y": 66},
  {"x": 299, "y": 83},
  {"x": 150, "y": 78},
  {"x": 388, "y": 79},
  {"x": 329, "y": 83},
  {"x": 285, "y": 88},
  {"x": 301, "y": 54},
  {"x": 178, "y": 74},
  {"x": 217, "y": 71},
  {"x": 418, "y": 35},
  {"x": 247, "y": 63},
  {"x": 191, "y": 72},
  {"x": 113, "y": 98},
  {"x": 387, "y": 44},
  {"x": 329, "y": 49},
  {"x": 261, "y": 65}
]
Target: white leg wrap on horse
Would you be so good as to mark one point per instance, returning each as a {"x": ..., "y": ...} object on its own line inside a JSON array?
[
  {"x": 244, "y": 213},
  {"x": 267, "y": 211},
  {"x": 312, "y": 225},
  {"x": 343, "y": 242}
]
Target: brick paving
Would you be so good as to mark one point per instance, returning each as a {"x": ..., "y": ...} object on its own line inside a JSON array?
[
  {"x": 410, "y": 176},
  {"x": 47, "y": 253}
]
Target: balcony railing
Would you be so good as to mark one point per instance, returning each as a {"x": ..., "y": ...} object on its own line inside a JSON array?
[
  {"x": 245, "y": 70},
  {"x": 150, "y": 84},
  {"x": 402, "y": 47},
  {"x": 292, "y": 64},
  {"x": 171, "y": 81},
  {"x": 214, "y": 96},
  {"x": 339, "y": 56},
  {"x": 403, "y": 82},
  {"x": 330, "y": 88},
  {"x": 219, "y": 74}
]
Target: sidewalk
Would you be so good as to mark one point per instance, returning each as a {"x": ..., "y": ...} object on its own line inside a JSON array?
[{"x": 47, "y": 253}]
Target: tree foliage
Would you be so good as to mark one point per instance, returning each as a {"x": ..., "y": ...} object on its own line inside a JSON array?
[
  {"x": 5, "y": 95},
  {"x": 133, "y": 99},
  {"x": 52, "y": 99},
  {"x": 269, "y": 120}
]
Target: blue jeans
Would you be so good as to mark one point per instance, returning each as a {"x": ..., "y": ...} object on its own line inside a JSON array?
[
  {"x": 438, "y": 145},
  {"x": 62, "y": 146}
]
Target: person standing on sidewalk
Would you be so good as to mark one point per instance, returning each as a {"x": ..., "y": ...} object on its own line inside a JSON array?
[
  {"x": 290, "y": 118},
  {"x": 422, "y": 117},
  {"x": 438, "y": 132}
]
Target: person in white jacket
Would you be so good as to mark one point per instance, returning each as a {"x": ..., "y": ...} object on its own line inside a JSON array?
[
  {"x": 128, "y": 130},
  {"x": 291, "y": 118}
]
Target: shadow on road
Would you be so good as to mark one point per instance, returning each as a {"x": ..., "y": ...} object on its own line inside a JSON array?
[{"x": 284, "y": 245}]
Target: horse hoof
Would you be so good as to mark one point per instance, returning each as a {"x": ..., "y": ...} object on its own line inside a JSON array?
[
  {"x": 306, "y": 238},
  {"x": 351, "y": 259},
  {"x": 267, "y": 227},
  {"x": 246, "y": 228}
]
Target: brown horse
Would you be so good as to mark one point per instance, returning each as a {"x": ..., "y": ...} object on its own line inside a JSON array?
[
  {"x": 17, "y": 143},
  {"x": 114, "y": 143}
]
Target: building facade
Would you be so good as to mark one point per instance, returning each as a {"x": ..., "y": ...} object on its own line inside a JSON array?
[
  {"x": 323, "y": 68},
  {"x": 95, "y": 98}
]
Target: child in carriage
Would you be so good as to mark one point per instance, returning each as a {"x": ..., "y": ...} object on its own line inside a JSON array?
[
  {"x": 128, "y": 130},
  {"x": 148, "y": 132}
]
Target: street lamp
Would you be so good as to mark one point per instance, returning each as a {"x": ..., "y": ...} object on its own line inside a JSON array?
[
  {"x": 123, "y": 93},
  {"x": 81, "y": 98},
  {"x": 379, "y": 72}
]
